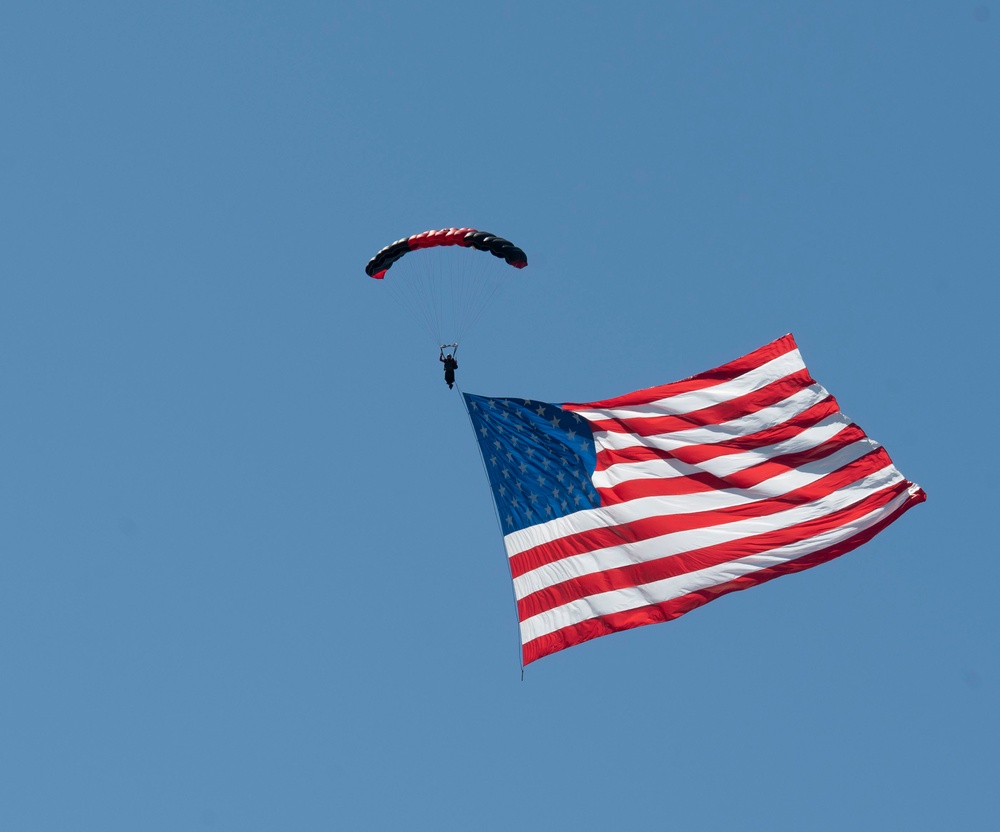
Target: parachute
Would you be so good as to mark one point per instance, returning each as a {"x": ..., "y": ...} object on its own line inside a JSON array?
[
  {"x": 446, "y": 291},
  {"x": 467, "y": 237}
]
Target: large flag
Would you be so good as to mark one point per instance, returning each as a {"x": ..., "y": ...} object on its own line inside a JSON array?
[{"x": 638, "y": 509}]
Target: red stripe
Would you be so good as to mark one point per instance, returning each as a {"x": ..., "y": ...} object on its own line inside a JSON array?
[
  {"x": 649, "y": 527},
  {"x": 672, "y": 566},
  {"x": 697, "y": 483},
  {"x": 726, "y": 411},
  {"x": 745, "y": 478},
  {"x": 756, "y": 474},
  {"x": 726, "y": 372},
  {"x": 666, "y": 611},
  {"x": 695, "y": 454}
]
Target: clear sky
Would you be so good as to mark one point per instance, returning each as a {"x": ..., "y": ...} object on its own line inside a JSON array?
[{"x": 250, "y": 573}]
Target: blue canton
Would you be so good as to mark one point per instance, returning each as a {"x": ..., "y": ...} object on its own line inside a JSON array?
[{"x": 539, "y": 459}]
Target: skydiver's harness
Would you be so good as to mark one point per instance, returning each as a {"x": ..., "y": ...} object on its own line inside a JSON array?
[{"x": 454, "y": 350}]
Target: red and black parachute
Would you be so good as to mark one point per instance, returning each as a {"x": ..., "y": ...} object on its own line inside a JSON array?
[
  {"x": 467, "y": 237},
  {"x": 443, "y": 288}
]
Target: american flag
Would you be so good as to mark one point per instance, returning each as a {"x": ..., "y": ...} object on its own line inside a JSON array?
[{"x": 637, "y": 509}]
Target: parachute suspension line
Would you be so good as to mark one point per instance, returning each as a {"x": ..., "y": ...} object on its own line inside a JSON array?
[
  {"x": 448, "y": 293},
  {"x": 416, "y": 291},
  {"x": 456, "y": 283},
  {"x": 496, "y": 514},
  {"x": 486, "y": 277},
  {"x": 427, "y": 285}
]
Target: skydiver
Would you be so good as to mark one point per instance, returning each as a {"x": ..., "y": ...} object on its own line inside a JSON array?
[{"x": 450, "y": 364}]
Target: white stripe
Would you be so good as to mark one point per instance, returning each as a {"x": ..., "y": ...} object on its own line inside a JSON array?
[
  {"x": 621, "y": 600},
  {"x": 648, "y": 469},
  {"x": 767, "y": 373},
  {"x": 726, "y": 465},
  {"x": 746, "y": 425},
  {"x": 676, "y": 543},
  {"x": 642, "y": 507}
]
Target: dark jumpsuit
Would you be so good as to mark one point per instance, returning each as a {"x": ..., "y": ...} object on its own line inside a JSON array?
[{"x": 450, "y": 365}]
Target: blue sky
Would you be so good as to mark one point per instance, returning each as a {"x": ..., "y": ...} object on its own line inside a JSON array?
[{"x": 250, "y": 574}]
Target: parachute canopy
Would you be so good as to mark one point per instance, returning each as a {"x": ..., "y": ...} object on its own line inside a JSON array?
[{"x": 467, "y": 237}]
